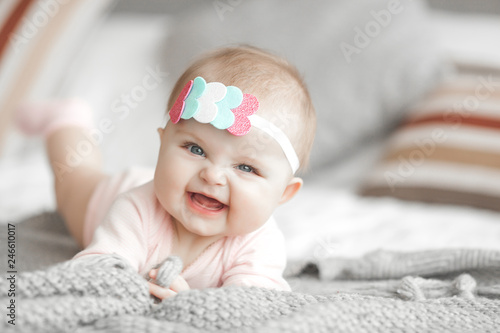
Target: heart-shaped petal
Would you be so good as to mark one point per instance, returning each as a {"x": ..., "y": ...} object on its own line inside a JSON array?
[
  {"x": 191, "y": 104},
  {"x": 207, "y": 110},
  {"x": 242, "y": 124},
  {"x": 179, "y": 105},
  {"x": 225, "y": 117}
]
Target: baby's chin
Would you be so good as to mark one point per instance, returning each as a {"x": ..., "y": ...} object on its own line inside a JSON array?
[{"x": 202, "y": 227}]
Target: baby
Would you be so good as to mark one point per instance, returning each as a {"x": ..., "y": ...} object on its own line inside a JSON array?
[{"x": 241, "y": 123}]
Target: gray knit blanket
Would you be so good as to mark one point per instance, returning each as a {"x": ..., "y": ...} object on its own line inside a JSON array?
[{"x": 455, "y": 290}]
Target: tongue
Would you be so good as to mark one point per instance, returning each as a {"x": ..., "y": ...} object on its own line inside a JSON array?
[{"x": 207, "y": 202}]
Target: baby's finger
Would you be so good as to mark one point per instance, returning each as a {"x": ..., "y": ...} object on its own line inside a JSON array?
[
  {"x": 153, "y": 273},
  {"x": 160, "y": 292},
  {"x": 179, "y": 284}
]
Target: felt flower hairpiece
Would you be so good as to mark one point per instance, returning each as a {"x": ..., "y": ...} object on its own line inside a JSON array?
[
  {"x": 227, "y": 108},
  {"x": 214, "y": 103}
]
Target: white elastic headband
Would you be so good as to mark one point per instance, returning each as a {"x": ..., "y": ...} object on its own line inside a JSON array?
[
  {"x": 227, "y": 108},
  {"x": 279, "y": 136}
]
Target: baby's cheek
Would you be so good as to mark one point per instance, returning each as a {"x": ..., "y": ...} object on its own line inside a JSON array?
[
  {"x": 248, "y": 215},
  {"x": 173, "y": 179},
  {"x": 168, "y": 188}
]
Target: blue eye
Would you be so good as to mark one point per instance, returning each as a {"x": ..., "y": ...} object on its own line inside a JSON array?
[
  {"x": 196, "y": 150},
  {"x": 246, "y": 168}
]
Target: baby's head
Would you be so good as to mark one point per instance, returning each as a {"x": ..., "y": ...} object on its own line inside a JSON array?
[
  {"x": 216, "y": 183},
  {"x": 283, "y": 97}
]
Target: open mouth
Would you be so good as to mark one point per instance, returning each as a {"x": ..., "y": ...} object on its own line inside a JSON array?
[{"x": 206, "y": 203}]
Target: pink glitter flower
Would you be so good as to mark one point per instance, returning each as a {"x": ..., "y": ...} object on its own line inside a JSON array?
[
  {"x": 178, "y": 107},
  {"x": 248, "y": 106}
]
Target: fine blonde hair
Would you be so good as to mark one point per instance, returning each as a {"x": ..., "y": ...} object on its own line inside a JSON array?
[{"x": 283, "y": 97}]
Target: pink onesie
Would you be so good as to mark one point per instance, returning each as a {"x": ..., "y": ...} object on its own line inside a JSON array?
[{"x": 140, "y": 230}]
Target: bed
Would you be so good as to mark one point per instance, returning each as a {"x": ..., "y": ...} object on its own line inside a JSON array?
[{"x": 398, "y": 225}]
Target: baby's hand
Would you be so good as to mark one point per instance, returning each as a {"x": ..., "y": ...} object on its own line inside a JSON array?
[{"x": 179, "y": 284}]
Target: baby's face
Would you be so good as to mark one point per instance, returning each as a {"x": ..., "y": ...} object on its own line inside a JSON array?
[{"x": 218, "y": 184}]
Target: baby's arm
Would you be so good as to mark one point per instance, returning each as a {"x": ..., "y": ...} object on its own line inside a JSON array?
[
  {"x": 260, "y": 261},
  {"x": 122, "y": 232}
]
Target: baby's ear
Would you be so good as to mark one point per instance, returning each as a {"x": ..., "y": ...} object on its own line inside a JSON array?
[
  {"x": 291, "y": 189},
  {"x": 161, "y": 131}
]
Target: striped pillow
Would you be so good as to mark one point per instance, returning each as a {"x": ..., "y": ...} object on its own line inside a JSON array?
[
  {"x": 448, "y": 149},
  {"x": 38, "y": 40}
]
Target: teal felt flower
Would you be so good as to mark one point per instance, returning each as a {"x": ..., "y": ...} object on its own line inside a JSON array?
[
  {"x": 225, "y": 117},
  {"x": 191, "y": 103}
]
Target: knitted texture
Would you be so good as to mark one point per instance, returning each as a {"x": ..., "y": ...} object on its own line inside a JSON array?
[
  {"x": 168, "y": 271},
  {"x": 390, "y": 264},
  {"x": 103, "y": 294}
]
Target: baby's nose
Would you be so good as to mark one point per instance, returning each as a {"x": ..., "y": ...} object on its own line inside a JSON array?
[{"x": 213, "y": 175}]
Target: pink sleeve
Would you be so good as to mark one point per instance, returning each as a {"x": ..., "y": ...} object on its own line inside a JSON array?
[
  {"x": 121, "y": 232},
  {"x": 260, "y": 261}
]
